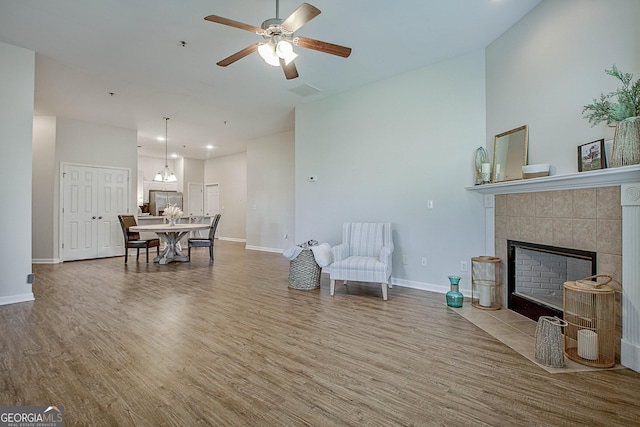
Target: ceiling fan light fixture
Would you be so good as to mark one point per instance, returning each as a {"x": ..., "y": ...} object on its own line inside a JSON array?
[
  {"x": 284, "y": 49},
  {"x": 268, "y": 52}
]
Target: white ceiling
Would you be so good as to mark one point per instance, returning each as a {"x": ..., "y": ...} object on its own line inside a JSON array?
[{"x": 87, "y": 49}]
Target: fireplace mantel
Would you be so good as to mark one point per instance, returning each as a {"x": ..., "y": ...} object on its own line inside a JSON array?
[
  {"x": 628, "y": 179},
  {"x": 599, "y": 178}
]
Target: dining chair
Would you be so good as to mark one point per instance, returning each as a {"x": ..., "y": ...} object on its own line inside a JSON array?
[
  {"x": 132, "y": 238},
  {"x": 201, "y": 242}
]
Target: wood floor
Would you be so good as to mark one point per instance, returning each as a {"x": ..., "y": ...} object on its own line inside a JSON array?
[{"x": 187, "y": 344}]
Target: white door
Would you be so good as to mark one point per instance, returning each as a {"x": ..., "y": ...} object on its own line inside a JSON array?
[
  {"x": 196, "y": 199},
  {"x": 212, "y": 201},
  {"x": 92, "y": 200},
  {"x": 113, "y": 194},
  {"x": 79, "y": 212}
]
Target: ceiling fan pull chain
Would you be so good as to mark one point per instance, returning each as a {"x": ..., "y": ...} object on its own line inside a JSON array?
[{"x": 277, "y": 9}]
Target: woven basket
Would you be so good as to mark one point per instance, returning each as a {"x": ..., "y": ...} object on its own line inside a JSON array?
[
  {"x": 549, "y": 344},
  {"x": 589, "y": 310},
  {"x": 304, "y": 271}
]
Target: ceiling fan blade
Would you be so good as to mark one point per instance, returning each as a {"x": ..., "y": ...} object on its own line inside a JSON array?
[
  {"x": 238, "y": 55},
  {"x": 230, "y": 22},
  {"x": 300, "y": 16},
  {"x": 290, "y": 71},
  {"x": 325, "y": 47}
]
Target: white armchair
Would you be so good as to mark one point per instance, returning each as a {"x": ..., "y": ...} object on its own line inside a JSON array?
[{"x": 364, "y": 255}]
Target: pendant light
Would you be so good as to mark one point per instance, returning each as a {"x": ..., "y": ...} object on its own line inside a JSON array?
[{"x": 165, "y": 175}]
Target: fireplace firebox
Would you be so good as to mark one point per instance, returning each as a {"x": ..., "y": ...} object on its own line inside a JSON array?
[{"x": 536, "y": 274}]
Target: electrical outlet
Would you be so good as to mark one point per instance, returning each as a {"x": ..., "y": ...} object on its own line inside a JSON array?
[
  {"x": 405, "y": 259},
  {"x": 429, "y": 204},
  {"x": 464, "y": 266},
  {"x": 286, "y": 236},
  {"x": 424, "y": 262}
]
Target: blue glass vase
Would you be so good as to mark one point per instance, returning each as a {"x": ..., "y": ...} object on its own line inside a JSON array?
[{"x": 454, "y": 297}]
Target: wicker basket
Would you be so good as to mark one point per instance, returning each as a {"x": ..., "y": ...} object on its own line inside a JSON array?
[
  {"x": 549, "y": 345},
  {"x": 304, "y": 271},
  {"x": 589, "y": 310}
]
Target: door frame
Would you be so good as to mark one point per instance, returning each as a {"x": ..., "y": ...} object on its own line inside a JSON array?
[{"x": 61, "y": 216}]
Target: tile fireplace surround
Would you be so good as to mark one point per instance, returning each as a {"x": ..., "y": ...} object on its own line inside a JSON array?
[{"x": 594, "y": 211}]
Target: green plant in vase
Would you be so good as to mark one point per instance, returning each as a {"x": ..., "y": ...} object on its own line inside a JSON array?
[{"x": 620, "y": 108}]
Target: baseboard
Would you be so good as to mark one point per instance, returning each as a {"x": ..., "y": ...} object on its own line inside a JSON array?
[
  {"x": 46, "y": 261},
  {"x": 263, "y": 249},
  {"x": 630, "y": 355},
  {"x": 13, "y": 299},
  {"x": 232, "y": 239},
  {"x": 441, "y": 289}
]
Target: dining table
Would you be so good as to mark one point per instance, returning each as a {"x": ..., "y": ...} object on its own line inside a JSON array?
[{"x": 170, "y": 235}]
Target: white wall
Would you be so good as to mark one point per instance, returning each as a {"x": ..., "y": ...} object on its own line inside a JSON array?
[
  {"x": 45, "y": 230},
  {"x": 270, "y": 192},
  {"x": 543, "y": 70},
  {"x": 76, "y": 142},
  {"x": 17, "y": 76},
  {"x": 381, "y": 151},
  {"x": 230, "y": 173}
]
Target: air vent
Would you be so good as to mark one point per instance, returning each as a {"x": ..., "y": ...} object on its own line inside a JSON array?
[{"x": 305, "y": 90}]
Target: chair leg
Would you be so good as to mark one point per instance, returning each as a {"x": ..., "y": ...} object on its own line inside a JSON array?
[
  {"x": 210, "y": 254},
  {"x": 137, "y": 254},
  {"x": 147, "y": 254},
  {"x": 189, "y": 254},
  {"x": 332, "y": 288},
  {"x": 126, "y": 255},
  {"x": 384, "y": 291}
]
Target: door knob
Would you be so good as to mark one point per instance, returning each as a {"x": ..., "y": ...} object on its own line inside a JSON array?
[
  {"x": 93, "y": 217},
  {"x": 99, "y": 217}
]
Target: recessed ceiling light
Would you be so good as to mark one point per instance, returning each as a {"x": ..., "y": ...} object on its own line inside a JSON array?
[
  {"x": 210, "y": 147},
  {"x": 174, "y": 155}
]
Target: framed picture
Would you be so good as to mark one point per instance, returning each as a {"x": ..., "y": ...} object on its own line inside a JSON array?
[
  {"x": 591, "y": 156},
  {"x": 608, "y": 151}
]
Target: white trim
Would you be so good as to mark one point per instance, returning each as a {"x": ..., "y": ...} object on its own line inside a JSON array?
[
  {"x": 232, "y": 239},
  {"x": 46, "y": 261},
  {"x": 630, "y": 343},
  {"x": 441, "y": 289},
  {"x": 599, "y": 178},
  {"x": 263, "y": 249},
  {"x": 13, "y": 299}
]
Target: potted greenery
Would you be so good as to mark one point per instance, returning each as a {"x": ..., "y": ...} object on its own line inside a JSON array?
[{"x": 621, "y": 109}]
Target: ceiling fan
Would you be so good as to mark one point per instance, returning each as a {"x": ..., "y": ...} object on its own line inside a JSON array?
[{"x": 277, "y": 49}]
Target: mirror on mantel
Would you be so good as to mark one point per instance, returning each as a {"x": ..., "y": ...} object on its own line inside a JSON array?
[{"x": 510, "y": 154}]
